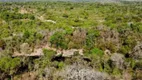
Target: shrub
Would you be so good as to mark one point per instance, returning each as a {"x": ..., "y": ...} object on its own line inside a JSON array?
[
  {"x": 45, "y": 61},
  {"x": 38, "y": 36},
  {"x": 8, "y": 16},
  {"x": 58, "y": 39},
  {"x": 2, "y": 44},
  {"x": 31, "y": 17},
  {"x": 124, "y": 49},
  {"x": 111, "y": 46},
  {"x": 90, "y": 38},
  {"x": 116, "y": 71},
  {"x": 108, "y": 67},
  {"x": 138, "y": 65},
  {"x": 97, "y": 51},
  {"x": 137, "y": 75},
  {"x": 48, "y": 53},
  {"x": 65, "y": 16},
  {"x": 130, "y": 62},
  {"x": 26, "y": 34},
  {"x": 61, "y": 65},
  {"x": 9, "y": 65}
]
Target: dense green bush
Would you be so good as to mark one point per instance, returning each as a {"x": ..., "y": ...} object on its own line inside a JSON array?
[
  {"x": 45, "y": 61},
  {"x": 9, "y": 65},
  {"x": 11, "y": 16},
  {"x": 91, "y": 37},
  {"x": 61, "y": 65},
  {"x": 97, "y": 51},
  {"x": 58, "y": 39},
  {"x": 48, "y": 53}
]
